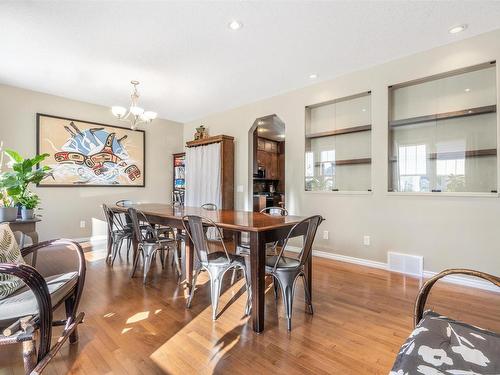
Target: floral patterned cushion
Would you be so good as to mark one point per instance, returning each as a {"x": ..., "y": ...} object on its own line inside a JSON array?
[
  {"x": 443, "y": 346},
  {"x": 9, "y": 253}
]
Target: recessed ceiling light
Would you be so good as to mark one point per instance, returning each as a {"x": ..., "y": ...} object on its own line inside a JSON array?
[
  {"x": 457, "y": 29},
  {"x": 235, "y": 25},
  {"x": 313, "y": 76},
  {"x": 363, "y": 110},
  {"x": 467, "y": 90}
]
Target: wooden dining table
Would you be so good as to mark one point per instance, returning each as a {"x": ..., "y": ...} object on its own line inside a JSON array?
[{"x": 263, "y": 228}]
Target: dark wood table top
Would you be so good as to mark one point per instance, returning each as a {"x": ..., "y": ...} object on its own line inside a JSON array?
[{"x": 247, "y": 221}]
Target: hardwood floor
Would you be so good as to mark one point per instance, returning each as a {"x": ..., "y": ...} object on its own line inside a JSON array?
[{"x": 362, "y": 316}]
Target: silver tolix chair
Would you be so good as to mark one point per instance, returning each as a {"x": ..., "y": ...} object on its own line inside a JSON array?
[
  {"x": 286, "y": 270},
  {"x": 216, "y": 263},
  {"x": 119, "y": 230},
  {"x": 150, "y": 241},
  {"x": 244, "y": 247}
]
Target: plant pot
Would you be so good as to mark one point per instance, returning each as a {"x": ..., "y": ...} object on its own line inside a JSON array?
[
  {"x": 27, "y": 213},
  {"x": 8, "y": 213}
]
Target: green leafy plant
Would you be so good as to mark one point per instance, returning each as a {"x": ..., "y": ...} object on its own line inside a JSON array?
[
  {"x": 29, "y": 201},
  {"x": 5, "y": 200},
  {"x": 14, "y": 184}
]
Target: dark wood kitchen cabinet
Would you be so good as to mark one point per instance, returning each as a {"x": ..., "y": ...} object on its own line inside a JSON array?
[{"x": 268, "y": 161}]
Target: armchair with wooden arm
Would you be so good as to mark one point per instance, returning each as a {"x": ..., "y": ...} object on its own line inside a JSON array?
[
  {"x": 423, "y": 294},
  {"x": 26, "y": 316}
]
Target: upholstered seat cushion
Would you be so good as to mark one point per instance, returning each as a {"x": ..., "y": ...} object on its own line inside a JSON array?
[
  {"x": 284, "y": 262},
  {"x": 442, "y": 346},
  {"x": 23, "y": 302},
  {"x": 9, "y": 253}
]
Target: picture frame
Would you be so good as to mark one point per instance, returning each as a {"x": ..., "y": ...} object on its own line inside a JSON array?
[{"x": 90, "y": 154}]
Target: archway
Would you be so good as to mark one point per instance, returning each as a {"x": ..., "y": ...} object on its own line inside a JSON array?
[{"x": 266, "y": 180}]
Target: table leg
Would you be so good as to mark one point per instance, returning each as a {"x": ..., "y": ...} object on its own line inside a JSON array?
[
  {"x": 237, "y": 240},
  {"x": 257, "y": 277}
]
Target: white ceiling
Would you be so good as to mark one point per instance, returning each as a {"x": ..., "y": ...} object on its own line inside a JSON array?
[{"x": 191, "y": 64}]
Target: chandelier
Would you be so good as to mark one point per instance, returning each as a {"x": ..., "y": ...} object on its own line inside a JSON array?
[{"x": 135, "y": 115}]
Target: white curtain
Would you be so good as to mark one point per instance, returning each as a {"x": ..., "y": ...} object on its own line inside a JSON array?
[{"x": 203, "y": 175}]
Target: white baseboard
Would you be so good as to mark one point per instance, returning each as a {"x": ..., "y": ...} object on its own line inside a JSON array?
[{"x": 459, "y": 280}]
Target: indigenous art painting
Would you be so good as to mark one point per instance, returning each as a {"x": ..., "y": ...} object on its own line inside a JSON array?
[{"x": 90, "y": 154}]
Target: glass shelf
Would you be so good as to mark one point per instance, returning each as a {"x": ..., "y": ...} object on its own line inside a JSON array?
[
  {"x": 443, "y": 133},
  {"x": 338, "y": 145}
]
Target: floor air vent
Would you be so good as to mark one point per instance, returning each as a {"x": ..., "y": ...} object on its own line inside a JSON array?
[{"x": 405, "y": 263}]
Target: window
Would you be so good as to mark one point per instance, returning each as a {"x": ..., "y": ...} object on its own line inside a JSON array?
[{"x": 413, "y": 168}]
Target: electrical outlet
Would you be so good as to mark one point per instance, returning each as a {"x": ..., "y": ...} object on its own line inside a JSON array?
[
  {"x": 366, "y": 240},
  {"x": 82, "y": 223},
  {"x": 239, "y": 188},
  {"x": 325, "y": 234}
]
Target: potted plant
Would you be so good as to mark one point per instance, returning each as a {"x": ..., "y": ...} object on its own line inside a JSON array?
[
  {"x": 8, "y": 212},
  {"x": 24, "y": 172},
  {"x": 28, "y": 204}
]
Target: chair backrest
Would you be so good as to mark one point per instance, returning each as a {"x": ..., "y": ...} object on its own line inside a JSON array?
[
  {"x": 137, "y": 217},
  {"x": 115, "y": 220},
  {"x": 108, "y": 214},
  {"x": 312, "y": 223},
  {"x": 124, "y": 203},
  {"x": 274, "y": 211},
  {"x": 195, "y": 227},
  {"x": 209, "y": 206}
]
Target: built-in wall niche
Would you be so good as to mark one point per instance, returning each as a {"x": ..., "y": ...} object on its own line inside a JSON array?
[
  {"x": 338, "y": 144},
  {"x": 443, "y": 133}
]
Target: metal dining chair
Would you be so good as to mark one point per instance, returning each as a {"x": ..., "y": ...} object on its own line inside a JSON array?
[
  {"x": 124, "y": 203},
  {"x": 276, "y": 211},
  {"x": 212, "y": 234},
  {"x": 286, "y": 270},
  {"x": 151, "y": 241},
  {"x": 209, "y": 206},
  {"x": 216, "y": 263},
  {"x": 244, "y": 247},
  {"x": 119, "y": 230}
]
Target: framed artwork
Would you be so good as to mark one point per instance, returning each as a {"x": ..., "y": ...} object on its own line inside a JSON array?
[{"x": 84, "y": 153}]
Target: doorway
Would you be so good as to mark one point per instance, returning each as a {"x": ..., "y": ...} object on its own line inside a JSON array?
[{"x": 267, "y": 145}]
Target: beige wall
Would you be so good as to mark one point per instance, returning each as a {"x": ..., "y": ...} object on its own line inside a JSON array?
[
  {"x": 449, "y": 231},
  {"x": 63, "y": 208}
]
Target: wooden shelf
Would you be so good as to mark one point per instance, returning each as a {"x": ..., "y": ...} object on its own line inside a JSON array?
[
  {"x": 330, "y": 133},
  {"x": 451, "y": 155},
  {"x": 265, "y": 179},
  {"x": 347, "y": 161},
  {"x": 462, "y": 154},
  {"x": 444, "y": 116}
]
